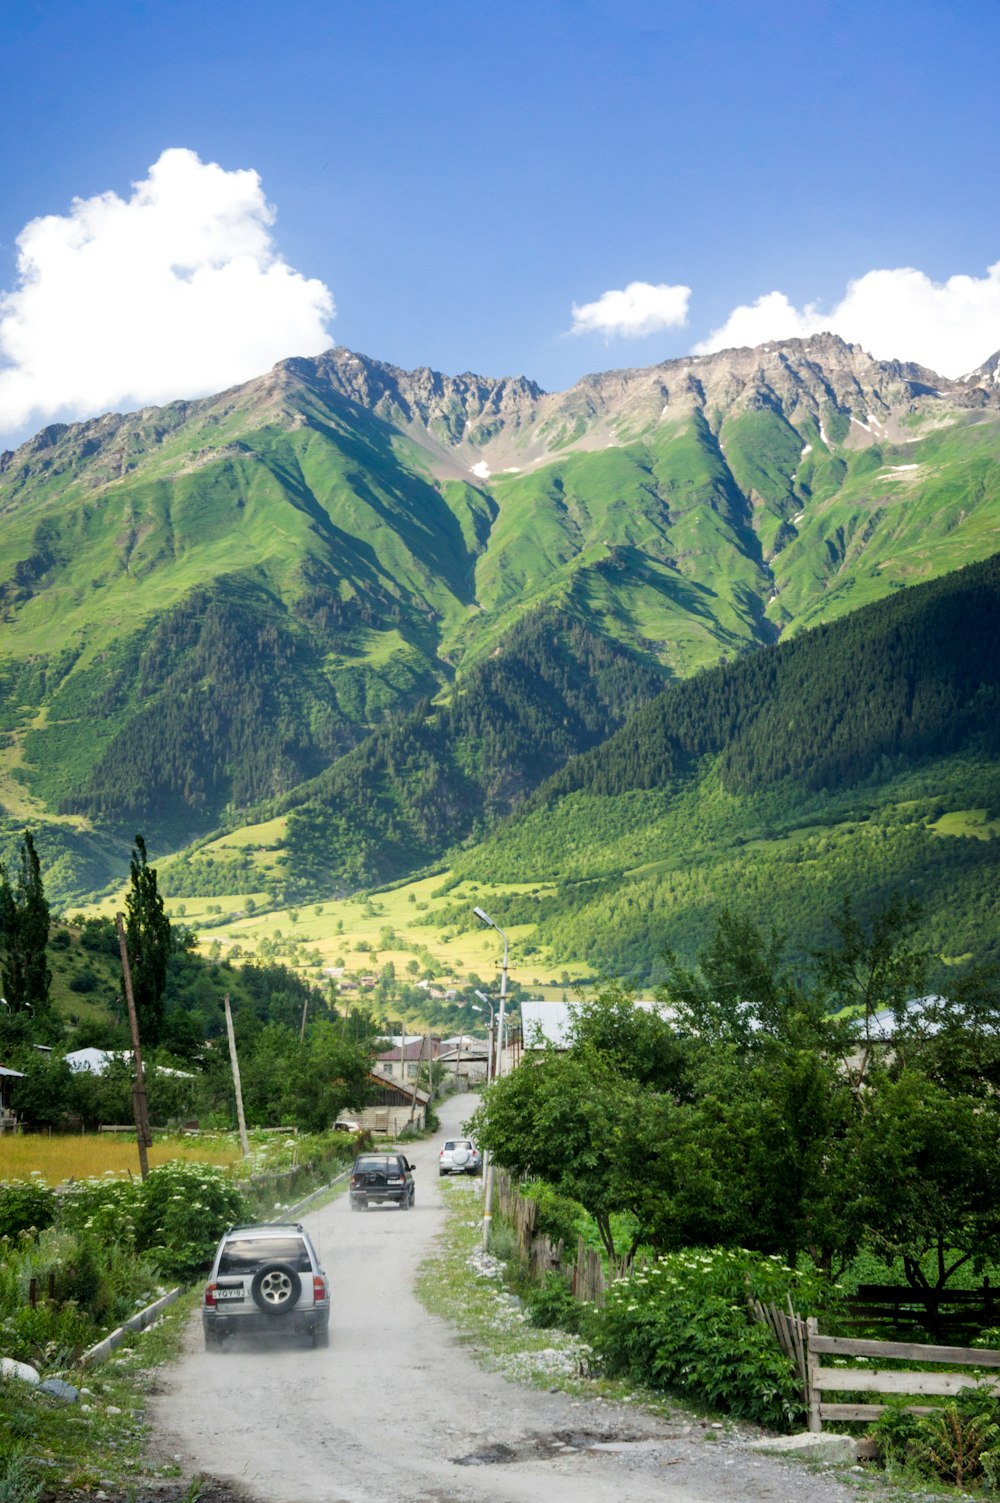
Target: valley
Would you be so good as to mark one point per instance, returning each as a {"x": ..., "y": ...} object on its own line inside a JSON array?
[{"x": 349, "y": 630}]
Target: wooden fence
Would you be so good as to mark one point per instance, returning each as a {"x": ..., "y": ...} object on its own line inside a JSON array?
[
  {"x": 939, "y": 1311},
  {"x": 587, "y": 1275},
  {"x": 887, "y": 1381},
  {"x": 789, "y": 1330},
  {"x": 801, "y": 1341}
]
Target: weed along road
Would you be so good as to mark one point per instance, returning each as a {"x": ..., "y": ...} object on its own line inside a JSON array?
[{"x": 395, "y": 1410}]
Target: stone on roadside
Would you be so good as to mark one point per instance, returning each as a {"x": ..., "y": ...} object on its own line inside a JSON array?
[
  {"x": 809, "y": 1445},
  {"x": 11, "y": 1368},
  {"x": 60, "y": 1390}
]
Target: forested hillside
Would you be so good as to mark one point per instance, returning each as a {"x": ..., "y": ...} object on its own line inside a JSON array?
[
  {"x": 860, "y": 758},
  {"x": 205, "y": 606},
  {"x": 424, "y": 781}
]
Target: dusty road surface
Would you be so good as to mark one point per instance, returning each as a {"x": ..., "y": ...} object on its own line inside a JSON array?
[{"x": 395, "y": 1411}]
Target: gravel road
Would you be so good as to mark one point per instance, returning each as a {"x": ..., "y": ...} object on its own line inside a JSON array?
[{"x": 395, "y": 1411}]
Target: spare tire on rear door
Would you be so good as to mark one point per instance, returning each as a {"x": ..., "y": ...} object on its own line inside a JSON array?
[
  {"x": 276, "y": 1288},
  {"x": 460, "y": 1155}
]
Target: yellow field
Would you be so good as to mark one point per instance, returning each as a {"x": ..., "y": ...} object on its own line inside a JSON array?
[
  {"x": 332, "y": 932},
  {"x": 89, "y": 1155}
]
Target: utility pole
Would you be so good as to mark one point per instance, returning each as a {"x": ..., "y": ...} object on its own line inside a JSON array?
[
  {"x": 140, "y": 1108},
  {"x": 487, "y": 1161},
  {"x": 416, "y": 1084},
  {"x": 244, "y": 1140}
]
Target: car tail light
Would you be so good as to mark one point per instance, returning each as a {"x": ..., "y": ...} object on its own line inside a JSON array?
[
  {"x": 210, "y": 1294},
  {"x": 354, "y": 1181},
  {"x": 319, "y": 1287}
]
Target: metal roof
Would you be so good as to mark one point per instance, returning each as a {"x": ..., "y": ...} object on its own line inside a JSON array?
[{"x": 549, "y": 1022}]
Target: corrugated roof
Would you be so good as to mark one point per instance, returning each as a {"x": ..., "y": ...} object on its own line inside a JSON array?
[{"x": 549, "y": 1022}]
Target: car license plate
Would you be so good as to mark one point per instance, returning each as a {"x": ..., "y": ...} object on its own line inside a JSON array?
[
  {"x": 397, "y": 1180},
  {"x": 228, "y": 1294}
]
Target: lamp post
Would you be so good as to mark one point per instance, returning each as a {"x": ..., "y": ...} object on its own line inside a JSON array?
[
  {"x": 487, "y": 1160},
  {"x": 489, "y": 1062}
]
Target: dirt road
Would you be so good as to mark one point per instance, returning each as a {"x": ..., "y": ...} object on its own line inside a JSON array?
[{"x": 395, "y": 1411}]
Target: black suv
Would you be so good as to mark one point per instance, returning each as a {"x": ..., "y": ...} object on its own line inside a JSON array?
[
  {"x": 266, "y": 1277},
  {"x": 378, "y": 1178}
]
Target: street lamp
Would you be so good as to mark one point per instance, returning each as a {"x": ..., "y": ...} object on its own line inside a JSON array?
[
  {"x": 485, "y": 918},
  {"x": 489, "y": 1003},
  {"x": 487, "y": 1161}
]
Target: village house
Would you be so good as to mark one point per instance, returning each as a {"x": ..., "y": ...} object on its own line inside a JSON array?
[{"x": 396, "y": 1105}]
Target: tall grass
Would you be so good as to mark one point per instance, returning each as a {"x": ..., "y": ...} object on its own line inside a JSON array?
[{"x": 64, "y": 1156}]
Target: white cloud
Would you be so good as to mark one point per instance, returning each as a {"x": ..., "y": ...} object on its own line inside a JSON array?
[
  {"x": 634, "y": 311},
  {"x": 951, "y": 326},
  {"x": 174, "y": 292}
]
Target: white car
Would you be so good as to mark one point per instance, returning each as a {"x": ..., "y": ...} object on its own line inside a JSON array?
[
  {"x": 460, "y": 1156},
  {"x": 266, "y": 1277}
]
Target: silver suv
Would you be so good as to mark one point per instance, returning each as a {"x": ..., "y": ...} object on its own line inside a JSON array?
[
  {"x": 459, "y": 1156},
  {"x": 266, "y": 1277}
]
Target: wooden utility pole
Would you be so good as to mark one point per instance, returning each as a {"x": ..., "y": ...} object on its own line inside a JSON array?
[
  {"x": 140, "y": 1108},
  {"x": 244, "y": 1140},
  {"x": 416, "y": 1084}
]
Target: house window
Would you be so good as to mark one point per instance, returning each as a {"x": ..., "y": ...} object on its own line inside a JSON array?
[{"x": 411, "y": 1071}]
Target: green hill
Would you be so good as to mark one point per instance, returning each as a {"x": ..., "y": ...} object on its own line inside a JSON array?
[
  {"x": 858, "y": 759},
  {"x": 222, "y": 610}
]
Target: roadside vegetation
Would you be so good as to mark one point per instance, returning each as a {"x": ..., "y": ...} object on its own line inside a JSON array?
[
  {"x": 77, "y": 1261},
  {"x": 780, "y": 1134}
]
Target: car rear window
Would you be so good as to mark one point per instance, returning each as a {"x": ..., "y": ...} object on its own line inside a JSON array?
[{"x": 244, "y": 1256}]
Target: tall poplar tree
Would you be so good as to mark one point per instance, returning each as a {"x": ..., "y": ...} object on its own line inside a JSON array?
[
  {"x": 24, "y": 933},
  {"x": 147, "y": 933}
]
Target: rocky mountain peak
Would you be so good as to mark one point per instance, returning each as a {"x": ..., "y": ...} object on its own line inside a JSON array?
[{"x": 986, "y": 375}]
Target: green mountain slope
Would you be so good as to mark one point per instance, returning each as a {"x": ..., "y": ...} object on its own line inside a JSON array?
[
  {"x": 207, "y": 605},
  {"x": 423, "y": 781},
  {"x": 860, "y": 758}
]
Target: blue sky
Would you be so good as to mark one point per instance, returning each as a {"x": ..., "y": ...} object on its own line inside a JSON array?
[{"x": 455, "y": 179}]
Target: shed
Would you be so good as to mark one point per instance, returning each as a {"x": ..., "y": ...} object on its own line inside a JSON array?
[
  {"x": 8, "y": 1119},
  {"x": 396, "y": 1104}
]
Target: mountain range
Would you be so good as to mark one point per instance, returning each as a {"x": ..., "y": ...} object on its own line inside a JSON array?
[{"x": 252, "y": 603}]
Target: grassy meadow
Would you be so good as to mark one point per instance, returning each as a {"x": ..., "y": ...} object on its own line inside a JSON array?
[
  {"x": 410, "y": 925},
  {"x": 65, "y": 1156},
  {"x": 405, "y": 925}
]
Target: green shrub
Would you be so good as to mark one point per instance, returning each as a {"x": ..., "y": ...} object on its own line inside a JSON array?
[
  {"x": 551, "y": 1304},
  {"x": 558, "y": 1216},
  {"x": 683, "y": 1324},
  {"x": 17, "y": 1481},
  {"x": 82, "y": 1281},
  {"x": 25, "y": 1205},
  {"x": 84, "y": 980},
  {"x": 959, "y": 1443},
  {"x": 895, "y": 1432},
  {"x": 503, "y": 1240},
  {"x": 103, "y": 1209},
  {"x": 48, "y": 1336},
  {"x": 182, "y": 1211}
]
